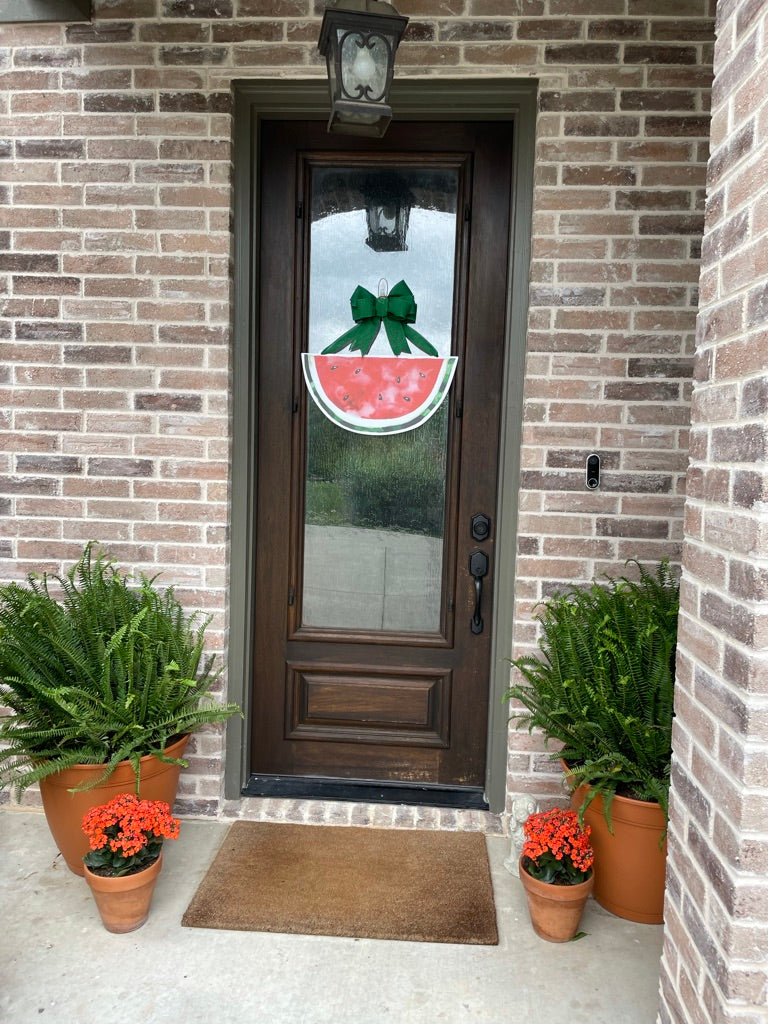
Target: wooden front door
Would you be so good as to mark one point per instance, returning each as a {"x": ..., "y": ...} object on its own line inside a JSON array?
[{"x": 375, "y": 550}]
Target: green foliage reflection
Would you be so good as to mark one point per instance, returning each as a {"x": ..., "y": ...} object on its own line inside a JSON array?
[{"x": 395, "y": 482}]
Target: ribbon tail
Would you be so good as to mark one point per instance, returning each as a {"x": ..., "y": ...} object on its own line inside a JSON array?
[
  {"x": 419, "y": 341},
  {"x": 341, "y": 342},
  {"x": 396, "y": 336},
  {"x": 365, "y": 335},
  {"x": 355, "y": 337}
]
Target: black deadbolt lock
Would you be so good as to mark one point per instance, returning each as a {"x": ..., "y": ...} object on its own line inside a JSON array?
[{"x": 480, "y": 527}]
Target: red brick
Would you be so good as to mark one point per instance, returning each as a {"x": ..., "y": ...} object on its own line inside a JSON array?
[
  {"x": 96, "y": 218},
  {"x": 123, "y": 287},
  {"x": 573, "y": 199},
  {"x": 266, "y": 55},
  {"x": 168, "y": 490},
  {"x": 76, "y": 487},
  {"x": 582, "y": 53},
  {"x": 601, "y": 125},
  {"x": 596, "y": 224},
  {"x": 101, "y": 264},
  {"x": 599, "y": 174},
  {"x": 567, "y": 151},
  {"x": 193, "y": 511},
  {"x": 174, "y": 447}
]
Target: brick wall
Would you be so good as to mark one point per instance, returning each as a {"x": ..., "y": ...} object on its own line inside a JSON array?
[
  {"x": 115, "y": 146},
  {"x": 715, "y": 963},
  {"x": 617, "y": 224}
]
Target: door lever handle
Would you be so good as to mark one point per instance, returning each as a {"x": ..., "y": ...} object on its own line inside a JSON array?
[{"x": 478, "y": 568}]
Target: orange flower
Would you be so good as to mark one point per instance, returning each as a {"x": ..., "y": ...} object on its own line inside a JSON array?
[
  {"x": 556, "y": 848},
  {"x": 126, "y": 834}
]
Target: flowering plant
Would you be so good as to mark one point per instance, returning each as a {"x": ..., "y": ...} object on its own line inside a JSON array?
[
  {"x": 556, "y": 847},
  {"x": 126, "y": 834}
]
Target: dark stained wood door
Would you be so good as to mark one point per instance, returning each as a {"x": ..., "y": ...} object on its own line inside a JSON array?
[{"x": 372, "y": 637}]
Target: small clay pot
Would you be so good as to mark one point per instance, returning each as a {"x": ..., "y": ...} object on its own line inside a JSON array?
[
  {"x": 555, "y": 910},
  {"x": 124, "y": 902}
]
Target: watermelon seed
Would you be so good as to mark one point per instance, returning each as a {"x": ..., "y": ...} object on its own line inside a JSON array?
[
  {"x": 346, "y": 398},
  {"x": 357, "y": 370},
  {"x": 406, "y": 398},
  {"x": 398, "y": 380},
  {"x": 335, "y": 366},
  {"x": 380, "y": 398},
  {"x": 422, "y": 374}
]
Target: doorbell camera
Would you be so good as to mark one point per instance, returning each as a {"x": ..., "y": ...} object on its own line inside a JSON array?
[{"x": 593, "y": 471}]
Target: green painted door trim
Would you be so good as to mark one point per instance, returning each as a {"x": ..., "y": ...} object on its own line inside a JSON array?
[{"x": 433, "y": 99}]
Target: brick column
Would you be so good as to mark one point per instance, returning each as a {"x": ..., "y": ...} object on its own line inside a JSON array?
[{"x": 715, "y": 961}]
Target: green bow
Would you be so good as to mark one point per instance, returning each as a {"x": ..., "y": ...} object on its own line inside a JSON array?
[{"x": 396, "y": 311}]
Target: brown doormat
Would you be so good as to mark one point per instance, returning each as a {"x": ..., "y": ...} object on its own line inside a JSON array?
[{"x": 360, "y": 882}]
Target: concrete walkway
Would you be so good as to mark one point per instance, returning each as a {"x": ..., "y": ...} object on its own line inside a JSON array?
[
  {"x": 58, "y": 965},
  {"x": 371, "y": 579}
]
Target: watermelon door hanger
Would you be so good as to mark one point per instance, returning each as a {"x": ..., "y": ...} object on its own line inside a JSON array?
[{"x": 379, "y": 394}]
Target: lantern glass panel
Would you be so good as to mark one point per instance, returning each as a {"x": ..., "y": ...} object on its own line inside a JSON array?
[{"x": 364, "y": 64}]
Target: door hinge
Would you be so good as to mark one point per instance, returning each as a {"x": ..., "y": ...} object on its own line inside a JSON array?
[
  {"x": 467, "y": 212},
  {"x": 299, "y": 210},
  {"x": 291, "y": 595},
  {"x": 459, "y": 409},
  {"x": 295, "y": 406}
]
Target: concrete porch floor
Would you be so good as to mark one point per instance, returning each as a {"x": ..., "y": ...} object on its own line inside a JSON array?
[{"x": 58, "y": 964}]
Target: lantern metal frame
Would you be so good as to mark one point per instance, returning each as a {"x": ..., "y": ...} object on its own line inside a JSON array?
[{"x": 365, "y": 23}]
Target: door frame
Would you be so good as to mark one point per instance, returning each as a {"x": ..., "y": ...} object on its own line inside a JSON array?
[{"x": 502, "y": 100}]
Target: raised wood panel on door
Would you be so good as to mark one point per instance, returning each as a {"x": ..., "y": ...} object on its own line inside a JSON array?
[{"x": 366, "y": 704}]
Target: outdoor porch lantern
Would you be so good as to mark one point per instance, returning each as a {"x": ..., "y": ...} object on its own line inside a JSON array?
[{"x": 358, "y": 39}]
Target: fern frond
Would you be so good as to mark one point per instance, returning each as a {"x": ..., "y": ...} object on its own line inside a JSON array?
[
  {"x": 96, "y": 670},
  {"x": 603, "y": 684}
]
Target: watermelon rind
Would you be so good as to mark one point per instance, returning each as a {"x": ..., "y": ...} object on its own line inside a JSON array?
[{"x": 409, "y": 420}]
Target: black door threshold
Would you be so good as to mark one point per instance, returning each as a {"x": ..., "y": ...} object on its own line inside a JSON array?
[{"x": 463, "y": 798}]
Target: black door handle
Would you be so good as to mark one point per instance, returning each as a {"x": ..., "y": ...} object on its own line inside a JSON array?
[{"x": 478, "y": 568}]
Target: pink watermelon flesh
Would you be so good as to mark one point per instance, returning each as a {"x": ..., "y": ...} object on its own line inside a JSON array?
[
  {"x": 377, "y": 387},
  {"x": 378, "y": 394}
]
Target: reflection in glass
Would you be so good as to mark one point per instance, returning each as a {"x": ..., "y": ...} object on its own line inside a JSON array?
[
  {"x": 375, "y": 506},
  {"x": 388, "y": 202}
]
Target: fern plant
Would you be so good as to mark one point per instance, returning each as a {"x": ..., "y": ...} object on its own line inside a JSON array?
[
  {"x": 96, "y": 671},
  {"x": 603, "y": 686}
]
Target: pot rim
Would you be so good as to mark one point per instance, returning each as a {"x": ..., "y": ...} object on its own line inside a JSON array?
[
  {"x": 133, "y": 874},
  {"x": 76, "y": 770},
  {"x": 616, "y": 796},
  {"x": 551, "y": 885}
]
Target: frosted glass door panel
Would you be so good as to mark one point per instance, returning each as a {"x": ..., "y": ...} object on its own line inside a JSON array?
[{"x": 375, "y": 506}]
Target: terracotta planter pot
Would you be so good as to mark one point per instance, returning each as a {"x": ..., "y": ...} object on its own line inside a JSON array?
[
  {"x": 555, "y": 910},
  {"x": 630, "y": 865},
  {"x": 65, "y": 810},
  {"x": 124, "y": 902}
]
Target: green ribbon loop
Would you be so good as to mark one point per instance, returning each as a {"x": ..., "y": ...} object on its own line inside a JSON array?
[{"x": 397, "y": 311}]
